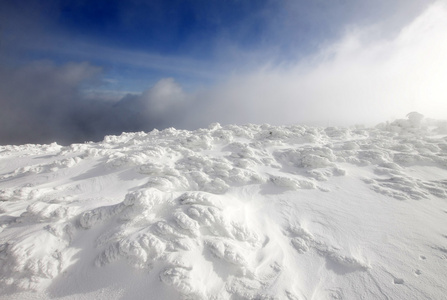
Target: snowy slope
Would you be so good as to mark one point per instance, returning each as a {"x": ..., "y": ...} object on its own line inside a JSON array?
[{"x": 234, "y": 212}]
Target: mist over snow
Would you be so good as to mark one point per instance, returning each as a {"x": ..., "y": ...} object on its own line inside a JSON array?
[
  {"x": 359, "y": 79},
  {"x": 370, "y": 74}
]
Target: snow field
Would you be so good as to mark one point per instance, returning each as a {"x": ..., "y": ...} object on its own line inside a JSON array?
[{"x": 233, "y": 212}]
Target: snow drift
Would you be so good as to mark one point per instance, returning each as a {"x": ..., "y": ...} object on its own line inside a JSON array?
[{"x": 233, "y": 212}]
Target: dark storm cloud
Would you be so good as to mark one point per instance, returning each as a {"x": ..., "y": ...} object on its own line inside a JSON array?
[
  {"x": 36, "y": 99},
  {"x": 42, "y": 103}
]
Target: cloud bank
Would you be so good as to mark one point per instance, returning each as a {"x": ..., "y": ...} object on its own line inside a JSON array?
[
  {"x": 365, "y": 77},
  {"x": 42, "y": 103},
  {"x": 361, "y": 78}
]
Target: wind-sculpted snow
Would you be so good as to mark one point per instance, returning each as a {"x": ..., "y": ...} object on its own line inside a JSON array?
[{"x": 233, "y": 212}]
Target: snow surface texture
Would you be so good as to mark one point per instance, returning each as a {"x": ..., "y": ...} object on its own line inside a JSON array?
[{"x": 234, "y": 212}]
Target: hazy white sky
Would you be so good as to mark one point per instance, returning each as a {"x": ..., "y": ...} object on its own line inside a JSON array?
[{"x": 361, "y": 78}]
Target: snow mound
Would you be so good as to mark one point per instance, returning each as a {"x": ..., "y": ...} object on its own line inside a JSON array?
[{"x": 229, "y": 212}]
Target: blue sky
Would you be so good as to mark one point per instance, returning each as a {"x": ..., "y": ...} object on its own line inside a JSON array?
[
  {"x": 237, "y": 57},
  {"x": 139, "y": 42}
]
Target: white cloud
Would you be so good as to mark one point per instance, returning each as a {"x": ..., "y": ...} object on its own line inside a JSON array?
[{"x": 163, "y": 96}]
